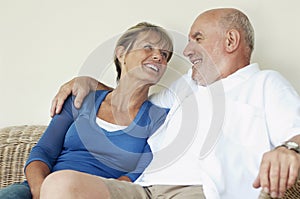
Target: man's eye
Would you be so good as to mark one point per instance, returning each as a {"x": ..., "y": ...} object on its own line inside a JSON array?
[{"x": 198, "y": 39}]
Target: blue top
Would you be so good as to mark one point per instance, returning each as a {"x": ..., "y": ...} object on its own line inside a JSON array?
[{"x": 73, "y": 140}]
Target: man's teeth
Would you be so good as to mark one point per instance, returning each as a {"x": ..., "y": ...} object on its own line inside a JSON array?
[{"x": 152, "y": 67}]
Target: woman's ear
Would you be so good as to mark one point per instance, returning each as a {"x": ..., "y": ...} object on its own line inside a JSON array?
[
  {"x": 232, "y": 40},
  {"x": 120, "y": 53}
]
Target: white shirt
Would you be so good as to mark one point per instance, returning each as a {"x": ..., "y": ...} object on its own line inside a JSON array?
[
  {"x": 245, "y": 115},
  {"x": 109, "y": 126}
]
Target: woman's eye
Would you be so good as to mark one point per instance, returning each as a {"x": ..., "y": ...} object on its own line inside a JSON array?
[
  {"x": 148, "y": 47},
  {"x": 165, "y": 54}
]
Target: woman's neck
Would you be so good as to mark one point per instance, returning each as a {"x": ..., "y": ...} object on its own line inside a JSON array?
[
  {"x": 123, "y": 103},
  {"x": 129, "y": 96}
]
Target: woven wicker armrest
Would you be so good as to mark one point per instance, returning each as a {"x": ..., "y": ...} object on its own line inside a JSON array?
[
  {"x": 292, "y": 193},
  {"x": 15, "y": 145}
]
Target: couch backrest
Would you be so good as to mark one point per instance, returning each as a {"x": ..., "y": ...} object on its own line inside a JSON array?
[{"x": 15, "y": 145}]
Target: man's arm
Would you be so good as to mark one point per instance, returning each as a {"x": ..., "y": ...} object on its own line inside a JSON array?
[
  {"x": 280, "y": 167},
  {"x": 81, "y": 86},
  {"x": 78, "y": 86},
  {"x": 279, "y": 170}
]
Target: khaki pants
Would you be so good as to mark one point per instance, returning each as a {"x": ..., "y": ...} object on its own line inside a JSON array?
[{"x": 126, "y": 190}]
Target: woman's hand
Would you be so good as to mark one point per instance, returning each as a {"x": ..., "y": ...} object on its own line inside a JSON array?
[
  {"x": 36, "y": 172},
  {"x": 124, "y": 178}
]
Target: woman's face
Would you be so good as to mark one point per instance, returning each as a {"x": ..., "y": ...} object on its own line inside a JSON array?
[{"x": 147, "y": 59}]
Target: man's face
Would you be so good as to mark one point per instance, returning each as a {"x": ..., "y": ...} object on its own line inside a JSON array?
[{"x": 204, "y": 49}]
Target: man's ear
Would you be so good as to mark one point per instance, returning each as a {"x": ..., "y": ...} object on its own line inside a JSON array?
[
  {"x": 232, "y": 40},
  {"x": 120, "y": 53}
]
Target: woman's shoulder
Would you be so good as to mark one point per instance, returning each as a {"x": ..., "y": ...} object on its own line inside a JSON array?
[
  {"x": 157, "y": 110},
  {"x": 93, "y": 99},
  {"x": 99, "y": 93}
]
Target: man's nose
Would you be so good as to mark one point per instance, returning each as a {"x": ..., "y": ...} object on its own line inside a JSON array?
[{"x": 189, "y": 49}]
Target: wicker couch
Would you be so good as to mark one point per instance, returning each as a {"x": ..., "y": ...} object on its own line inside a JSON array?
[
  {"x": 15, "y": 145},
  {"x": 17, "y": 141}
]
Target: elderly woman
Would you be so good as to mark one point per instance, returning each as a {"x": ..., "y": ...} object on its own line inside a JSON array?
[{"x": 108, "y": 135}]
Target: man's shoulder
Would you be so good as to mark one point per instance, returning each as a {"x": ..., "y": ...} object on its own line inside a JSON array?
[
  {"x": 184, "y": 83},
  {"x": 270, "y": 75},
  {"x": 272, "y": 79}
]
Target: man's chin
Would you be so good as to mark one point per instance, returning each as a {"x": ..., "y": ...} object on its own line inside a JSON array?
[
  {"x": 199, "y": 81},
  {"x": 203, "y": 82}
]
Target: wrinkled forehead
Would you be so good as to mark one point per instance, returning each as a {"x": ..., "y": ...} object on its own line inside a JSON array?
[
  {"x": 205, "y": 23},
  {"x": 156, "y": 39}
]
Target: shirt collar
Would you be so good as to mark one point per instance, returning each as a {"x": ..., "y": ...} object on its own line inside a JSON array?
[
  {"x": 239, "y": 76},
  {"x": 230, "y": 81}
]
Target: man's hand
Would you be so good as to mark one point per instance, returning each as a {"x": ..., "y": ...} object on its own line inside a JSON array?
[
  {"x": 78, "y": 86},
  {"x": 278, "y": 171}
]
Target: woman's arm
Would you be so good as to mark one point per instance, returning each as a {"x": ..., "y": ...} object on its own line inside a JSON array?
[
  {"x": 44, "y": 154},
  {"x": 35, "y": 173},
  {"x": 143, "y": 162}
]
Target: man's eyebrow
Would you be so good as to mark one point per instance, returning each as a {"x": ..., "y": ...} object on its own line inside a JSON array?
[{"x": 196, "y": 34}]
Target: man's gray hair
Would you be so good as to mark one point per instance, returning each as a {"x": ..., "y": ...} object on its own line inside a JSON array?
[{"x": 238, "y": 20}]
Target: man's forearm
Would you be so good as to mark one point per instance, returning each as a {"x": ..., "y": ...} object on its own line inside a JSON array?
[{"x": 102, "y": 86}]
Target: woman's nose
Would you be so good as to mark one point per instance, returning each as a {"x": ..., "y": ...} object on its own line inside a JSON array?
[{"x": 156, "y": 56}]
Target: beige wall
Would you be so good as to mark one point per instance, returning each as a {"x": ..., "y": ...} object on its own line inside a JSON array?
[{"x": 45, "y": 43}]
